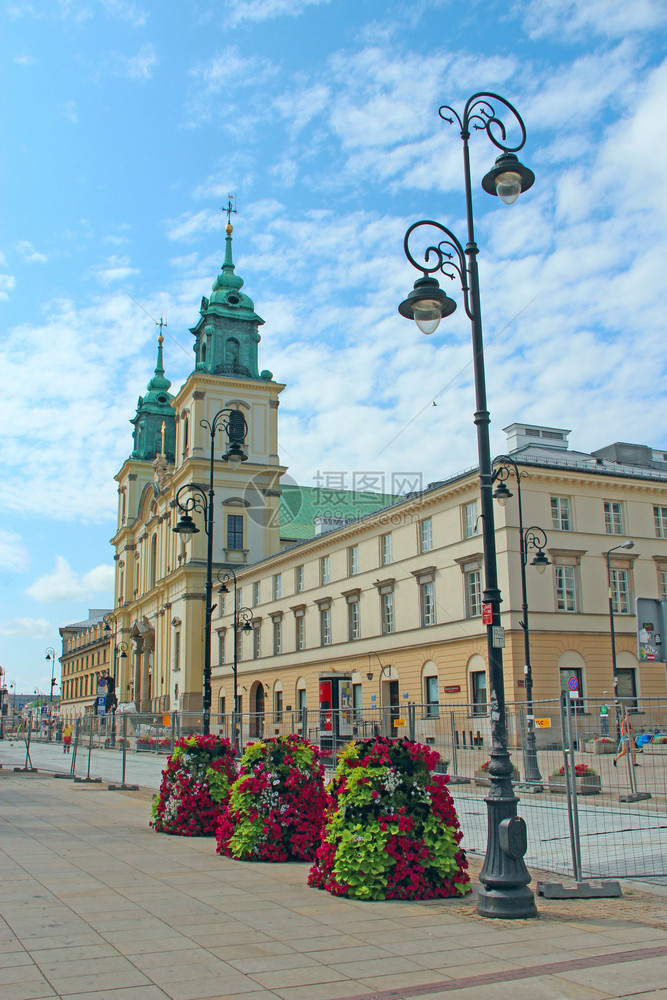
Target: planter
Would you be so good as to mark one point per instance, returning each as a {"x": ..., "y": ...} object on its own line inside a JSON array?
[
  {"x": 482, "y": 778},
  {"x": 587, "y": 784},
  {"x": 598, "y": 747}
]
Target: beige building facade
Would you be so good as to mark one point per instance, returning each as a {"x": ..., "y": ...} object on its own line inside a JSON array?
[
  {"x": 394, "y": 600},
  {"x": 86, "y": 656}
]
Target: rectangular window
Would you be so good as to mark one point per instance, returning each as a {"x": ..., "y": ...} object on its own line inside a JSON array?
[
  {"x": 473, "y": 584},
  {"x": 177, "y": 651},
  {"x": 325, "y": 574},
  {"x": 426, "y": 535},
  {"x": 620, "y": 591},
  {"x": 431, "y": 697},
  {"x": 301, "y": 699},
  {"x": 239, "y": 598},
  {"x": 385, "y": 549},
  {"x": 299, "y": 579},
  {"x": 427, "y": 603},
  {"x": 560, "y": 513},
  {"x": 277, "y": 586},
  {"x": 300, "y": 626},
  {"x": 257, "y": 642},
  {"x": 357, "y": 702},
  {"x": 234, "y": 531},
  {"x": 277, "y": 638},
  {"x": 626, "y": 678},
  {"x": 660, "y": 517},
  {"x": 353, "y": 621},
  {"x": 221, "y": 646},
  {"x": 662, "y": 585},
  {"x": 387, "y": 612},
  {"x": 566, "y": 595},
  {"x": 478, "y": 692},
  {"x": 470, "y": 519},
  {"x": 257, "y": 593},
  {"x": 353, "y": 560},
  {"x": 613, "y": 518},
  {"x": 325, "y": 627},
  {"x": 278, "y": 705}
]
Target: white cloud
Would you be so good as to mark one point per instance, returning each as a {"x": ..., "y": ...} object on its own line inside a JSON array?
[
  {"x": 68, "y": 111},
  {"x": 264, "y": 10},
  {"x": 29, "y": 254},
  {"x": 609, "y": 18},
  {"x": 27, "y": 628},
  {"x": 139, "y": 67},
  {"x": 63, "y": 584},
  {"x": 25, "y": 60},
  {"x": 7, "y": 285},
  {"x": 123, "y": 11},
  {"x": 114, "y": 269},
  {"x": 14, "y": 555}
]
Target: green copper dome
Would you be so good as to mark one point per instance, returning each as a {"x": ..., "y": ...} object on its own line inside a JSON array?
[{"x": 153, "y": 410}]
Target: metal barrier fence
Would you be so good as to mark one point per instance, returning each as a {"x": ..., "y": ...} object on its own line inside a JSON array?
[{"x": 610, "y": 823}]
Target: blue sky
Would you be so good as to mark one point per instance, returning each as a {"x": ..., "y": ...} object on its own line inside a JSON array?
[{"x": 127, "y": 124}]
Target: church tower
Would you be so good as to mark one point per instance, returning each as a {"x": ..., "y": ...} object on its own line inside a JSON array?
[{"x": 161, "y": 577}]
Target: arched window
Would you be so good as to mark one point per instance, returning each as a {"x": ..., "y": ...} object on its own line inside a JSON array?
[
  {"x": 430, "y": 692},
  {"x": 186, "y": 432},
  {"x": 278, "y": 701},
  {"x": 122, "y": 506},
  {"x": 203, "y": 351},
  {"x": 477, "y": 686},
  {"x": 232, "y": 350}
]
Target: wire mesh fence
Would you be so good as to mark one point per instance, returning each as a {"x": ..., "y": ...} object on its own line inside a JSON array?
[{"x": 620, "y": 808}]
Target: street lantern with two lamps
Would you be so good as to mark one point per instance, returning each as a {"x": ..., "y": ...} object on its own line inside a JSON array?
[
  {"x": 233, "y": 422},
  {"x": 504, "y": 876}
]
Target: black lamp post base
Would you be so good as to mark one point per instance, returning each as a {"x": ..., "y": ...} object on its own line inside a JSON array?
[{"x": 508, "y": 903}]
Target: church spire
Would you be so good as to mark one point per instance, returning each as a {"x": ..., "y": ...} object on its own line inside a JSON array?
[{"x": 155, "y": 412}]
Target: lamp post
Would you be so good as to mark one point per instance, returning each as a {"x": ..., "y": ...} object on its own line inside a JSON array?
[
  {"x": 617, "y": 707},
  {"x": 504, "y": 876},
  {"x": 236, "y": 428},
  {"x": 536, "y": 539},
  {"x": 51, "y": 655},
  {"x": 241, "y": 621},
  {"x": 119, "y": 652}
]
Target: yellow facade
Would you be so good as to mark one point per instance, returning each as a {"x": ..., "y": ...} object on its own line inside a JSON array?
[{"x": 86, "y": 655}]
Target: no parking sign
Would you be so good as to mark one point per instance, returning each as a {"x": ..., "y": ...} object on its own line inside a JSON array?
[{"x": 573, "y": 685}]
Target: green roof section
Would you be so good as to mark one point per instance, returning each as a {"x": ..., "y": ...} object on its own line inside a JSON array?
[{"x": 301, "y": 505}]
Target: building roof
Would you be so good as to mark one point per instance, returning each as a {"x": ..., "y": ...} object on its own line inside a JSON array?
[
  {"x": 307, "y": 511},
  {"x": 95, "y": 616}
]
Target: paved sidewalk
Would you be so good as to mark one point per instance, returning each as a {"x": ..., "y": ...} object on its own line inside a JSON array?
[{"x": 96, "y": 905}]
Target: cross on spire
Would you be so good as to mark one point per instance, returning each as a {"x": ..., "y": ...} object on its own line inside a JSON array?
[{"x": 231, "y": 207}]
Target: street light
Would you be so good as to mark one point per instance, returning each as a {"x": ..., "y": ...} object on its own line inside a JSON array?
[
  {"x": 536, "y": 539},
  {"x": 236, "y": 428},
  {"x": 241, "y": 621},
  {"x": 504, "y": 876},
  {"x": 51, "y": 655},
  {"x": 119, "y": 653},
  {"x": 617, "y": 707}
]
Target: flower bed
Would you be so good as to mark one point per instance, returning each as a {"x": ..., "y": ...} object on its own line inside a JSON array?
[
  {"x": 195, "y": 787},
  {"x": 153, "y": 743},
  {"x": 600, "y": 745},
  {"x": 391, "y": 831},
  {"x": 276, "y": 807},
  {"x": 481, "y": 775},
  {"x": 587, "y": 781}
]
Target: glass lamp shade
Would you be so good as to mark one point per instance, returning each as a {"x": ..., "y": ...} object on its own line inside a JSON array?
[
  {"x": 186, "y": 526},
  {"x": 508, "y": 186},
  {"x": 502, "y": 494},
  {"x": 235, "y": 456},
  {"x": 427, "y": 315},
  {"x": 540, "y": 562}
]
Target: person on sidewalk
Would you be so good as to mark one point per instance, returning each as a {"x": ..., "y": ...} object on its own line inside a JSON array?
[
  {"x": 627, "y": 742},
  {"x": 67, "y": 737}
]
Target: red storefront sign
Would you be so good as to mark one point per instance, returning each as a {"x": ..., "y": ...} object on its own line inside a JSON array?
[
  {"x": 487, "y": 614},
  {"x": 452, "y": 688}
]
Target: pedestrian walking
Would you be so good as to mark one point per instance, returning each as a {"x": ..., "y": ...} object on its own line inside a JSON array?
[
  {"x": 627, "y": 742},
  {"x": 67, "y": 737}
]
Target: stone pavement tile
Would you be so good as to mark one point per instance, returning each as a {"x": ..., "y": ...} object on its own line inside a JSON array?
[
  {"x": 41, "y": 942},
  {"x": 29, "y": 989},
  {"x": 421, "y": 946},
  {"x": 542, "y": 988},
  {"x": 652, "y": 995},
  {"x": 159, "y": 959},
  {"x": 331, "y": 940},
  {"x": 13, "y": 959},
  {"x": 519, "y": 949},
  {"x": 396, "y": 981},
  {"x": 375, "y": 967},
  {"x": 438, "y": 957},
  {"x": 475, "y": 965},
  {"x": 203, "y": 989},
  {"x": 62, "y": 967},
  {"x": 333, "y": 956},
  {"x": 633, "y": 933},
  {"x": 231, "y": 951},
  {"x": 255, "y": 995},
  {"x": 127, "y": 993},
  {"x": 172, "y": 973},
  {"x": 75, "y": 954},
  {"x": 140, "y": 943},
  {"x": 227, "y": 935},
  {"x": 310, "y": 977},
  {"x": 322, "y": 991},
  {"x": 359, "y": 928},
  {"x": 625, "y": 977},
  {"x": 21, "y": 974},
  {"x": 89, "y": 981},
  {"x": 272, "y": 963}
]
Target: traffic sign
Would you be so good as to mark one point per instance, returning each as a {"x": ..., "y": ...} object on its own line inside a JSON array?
[
  {"x": 573, "y": 684},
  {"x": 487, "y": 614}
]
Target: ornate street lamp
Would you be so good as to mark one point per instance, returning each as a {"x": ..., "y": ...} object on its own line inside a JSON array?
[
  {"x": 504, "y": 876},
  {"x": 51, "y": 656},
  {"x": 617, "y": 705},
  {"x": 236, "y": 428},
  {"x": 534, "y": 539},
  {"x": 241, "y": 622}
]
